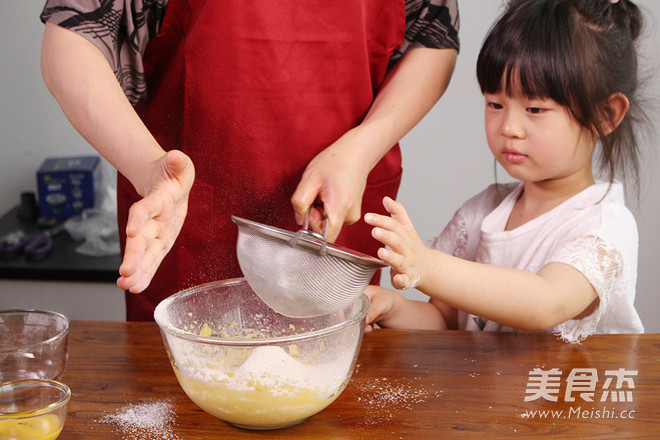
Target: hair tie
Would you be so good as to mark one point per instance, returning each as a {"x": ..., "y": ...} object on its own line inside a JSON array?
[{"x": 614, "y": 1}]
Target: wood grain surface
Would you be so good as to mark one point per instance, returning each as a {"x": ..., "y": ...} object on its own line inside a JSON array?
[{"x": 407, "y": 385}]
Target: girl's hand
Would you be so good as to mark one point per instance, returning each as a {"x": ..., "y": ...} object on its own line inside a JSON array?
[
  {"x": 382, "y": 305},
  {"x": 407, "y": 254},
  {"x": 155, "y": 221},
  {"x": 390, "y": 309}
]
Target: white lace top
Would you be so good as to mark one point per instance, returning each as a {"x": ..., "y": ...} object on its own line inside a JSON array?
[{"x": 593, "y": 231}]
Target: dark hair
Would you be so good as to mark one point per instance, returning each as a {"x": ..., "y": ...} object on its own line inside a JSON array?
[{"x": 577, "y": 53}]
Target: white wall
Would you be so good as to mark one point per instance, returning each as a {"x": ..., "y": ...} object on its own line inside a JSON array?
[{"x": 446, "y": 159}]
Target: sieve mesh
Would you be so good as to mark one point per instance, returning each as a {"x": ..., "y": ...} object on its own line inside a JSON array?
[{"x": 295, "y": 275}]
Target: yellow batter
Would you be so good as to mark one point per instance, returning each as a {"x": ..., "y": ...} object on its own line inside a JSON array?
[
  {"x": 263, "y": 388},
  {"x": 256, "y": 407},
  {"x": 46, "y": 427}
]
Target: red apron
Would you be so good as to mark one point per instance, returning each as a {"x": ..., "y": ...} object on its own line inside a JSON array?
[{"x": 252, "y": 90}]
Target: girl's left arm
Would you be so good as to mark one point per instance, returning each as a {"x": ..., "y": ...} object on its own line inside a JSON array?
[
  {"x": 512, "y": 297},
  {"x": 339, "y": 173}
]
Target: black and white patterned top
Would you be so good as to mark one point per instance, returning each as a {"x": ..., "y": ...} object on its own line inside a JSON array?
[{"x": 122, "y": 29}]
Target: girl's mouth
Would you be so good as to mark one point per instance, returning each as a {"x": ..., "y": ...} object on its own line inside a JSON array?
[{"x": 513, "y": 156}]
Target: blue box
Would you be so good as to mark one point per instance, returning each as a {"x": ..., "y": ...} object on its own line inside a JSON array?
[{"x": 67, "y": 185}]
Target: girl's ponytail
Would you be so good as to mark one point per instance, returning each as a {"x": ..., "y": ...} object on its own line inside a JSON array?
[{"x": 628, "y": 15}]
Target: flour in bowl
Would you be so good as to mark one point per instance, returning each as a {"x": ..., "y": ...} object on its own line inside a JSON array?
[
  {"x": 264, "y": 386},
  {"x": 274, "y": 368}
]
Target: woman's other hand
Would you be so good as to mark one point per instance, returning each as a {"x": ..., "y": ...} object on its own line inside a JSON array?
[{"x": 155, "y": 221}]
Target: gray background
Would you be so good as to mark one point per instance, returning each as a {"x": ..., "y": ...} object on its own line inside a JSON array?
[{"x": 446, "y": 158}]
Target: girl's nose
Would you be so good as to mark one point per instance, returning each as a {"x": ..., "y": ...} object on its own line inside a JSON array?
[{"x": 511, "y": 126}]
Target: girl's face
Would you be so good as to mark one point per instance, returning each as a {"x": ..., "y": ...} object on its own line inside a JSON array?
[{"x": 537, "y": 140}]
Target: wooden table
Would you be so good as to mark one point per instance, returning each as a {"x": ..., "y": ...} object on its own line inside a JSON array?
[{"x": 407, "y": 385}]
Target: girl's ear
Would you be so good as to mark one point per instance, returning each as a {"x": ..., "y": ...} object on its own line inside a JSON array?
[{"x": 616, "y": 108}]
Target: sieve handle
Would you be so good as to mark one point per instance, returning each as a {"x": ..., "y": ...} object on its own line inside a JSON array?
[{"x": 307, "y": 231}]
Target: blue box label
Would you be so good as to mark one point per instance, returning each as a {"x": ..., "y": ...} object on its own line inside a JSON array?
[{"x": 67, "y": 185}]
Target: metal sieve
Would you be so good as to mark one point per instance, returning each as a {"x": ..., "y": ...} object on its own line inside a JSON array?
[{"x": 300, "y": 274}]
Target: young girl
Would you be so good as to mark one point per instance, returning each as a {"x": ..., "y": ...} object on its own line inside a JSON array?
[{"x": 558, "y": 250}]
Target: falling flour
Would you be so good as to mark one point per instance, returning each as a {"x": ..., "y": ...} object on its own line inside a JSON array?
[{"x": 143, "y": 421}]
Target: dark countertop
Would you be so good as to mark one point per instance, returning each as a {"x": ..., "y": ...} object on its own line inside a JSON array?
[{"x": 63, "y": 264}]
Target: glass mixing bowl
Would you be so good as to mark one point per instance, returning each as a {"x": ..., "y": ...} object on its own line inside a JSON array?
[
  {"x": 242, "y": 362},
  {"x": 33, "y": 409},
  {"x": 34, "y": 344}
]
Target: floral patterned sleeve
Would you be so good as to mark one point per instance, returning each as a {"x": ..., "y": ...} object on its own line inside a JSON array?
[
  {"x": 430, "y": 23},
  {"x": 122, "y": 29}
]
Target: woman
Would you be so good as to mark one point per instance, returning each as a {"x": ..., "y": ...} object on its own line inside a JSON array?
[{"x": 275, "y": 106}]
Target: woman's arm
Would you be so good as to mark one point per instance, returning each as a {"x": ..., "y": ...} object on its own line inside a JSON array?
[
  {"x": 78, "y": 75},
  {"x": 339, "y": 173},
  {"x": 81, "y": 80}
]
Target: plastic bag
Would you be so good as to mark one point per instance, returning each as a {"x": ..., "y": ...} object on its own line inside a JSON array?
[
  {"x": 97, "y": 227},
  {"x": 98, "y": 231}
]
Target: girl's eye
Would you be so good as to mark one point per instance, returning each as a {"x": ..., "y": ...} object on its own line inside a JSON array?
[
  {"x": 494, "y": 105},
  {"x": 535, "y": 110}
]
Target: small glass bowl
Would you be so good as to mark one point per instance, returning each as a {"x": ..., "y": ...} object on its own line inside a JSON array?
[
  {"x": 34, "y": 344},
  {"x": 33, "y": 409}
]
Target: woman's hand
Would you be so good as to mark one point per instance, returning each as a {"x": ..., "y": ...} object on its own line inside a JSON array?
[
  {"x": 337, "y": 176},
  {"x": 80, "y": 78},
  {"x": 407, "y": 254},
  {"x": 155, "y": 221}
]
